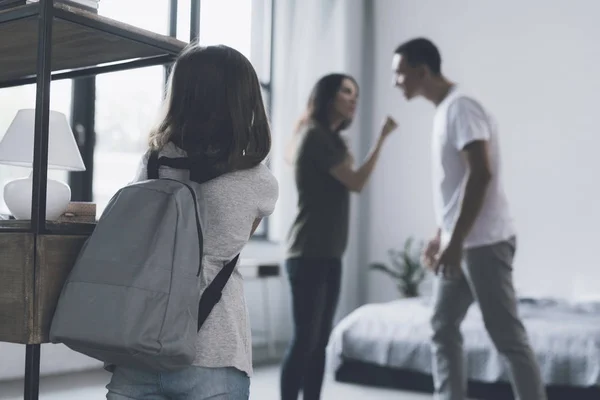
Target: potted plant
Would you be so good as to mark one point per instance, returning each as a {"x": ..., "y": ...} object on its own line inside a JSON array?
[{"x": 405, "y": 269}]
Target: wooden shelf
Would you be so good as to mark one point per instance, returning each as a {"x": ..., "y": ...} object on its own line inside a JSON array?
[
  {"x": 27, "y": 305},
  {"x": 52, "y": 227},
  {"x": 36, "y": 258},
  {"x": 80, "y": 40}
]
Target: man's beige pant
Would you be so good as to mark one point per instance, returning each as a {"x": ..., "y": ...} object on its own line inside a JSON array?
[{"x": 487, "y": 279}]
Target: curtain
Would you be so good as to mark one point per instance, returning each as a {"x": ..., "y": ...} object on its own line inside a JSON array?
[{"x": 313, "y": 38}]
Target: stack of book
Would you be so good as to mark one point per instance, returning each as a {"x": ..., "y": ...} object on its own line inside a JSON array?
[
  {"x": 88, "y": 5},
  {"x": 4, "y": 4},
  {"x": 79, "y": 211}
]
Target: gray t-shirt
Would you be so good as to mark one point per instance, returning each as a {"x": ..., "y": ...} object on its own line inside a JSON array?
[
  {"x": 228, "y": 207},
  {"x": 320, "y": 229}
]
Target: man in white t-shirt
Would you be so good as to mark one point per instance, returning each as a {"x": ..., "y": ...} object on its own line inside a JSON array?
[{"x": 473, "y": 249}]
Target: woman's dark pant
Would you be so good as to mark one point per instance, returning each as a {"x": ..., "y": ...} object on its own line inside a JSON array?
[{"x": 315, "y": 287}]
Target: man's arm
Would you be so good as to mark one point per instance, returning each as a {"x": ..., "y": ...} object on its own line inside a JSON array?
[{"x": 479, "y": 176}]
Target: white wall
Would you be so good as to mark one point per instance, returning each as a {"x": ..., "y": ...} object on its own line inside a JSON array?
[{"x": 534, "y": 66}]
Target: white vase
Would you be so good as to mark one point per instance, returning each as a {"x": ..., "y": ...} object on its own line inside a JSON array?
[{"x": 18, "y": 196}]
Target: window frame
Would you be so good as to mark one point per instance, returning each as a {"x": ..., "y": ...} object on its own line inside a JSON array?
[
  {"x": 83, "y": 95},
  {"x": 266, "y": 84}
]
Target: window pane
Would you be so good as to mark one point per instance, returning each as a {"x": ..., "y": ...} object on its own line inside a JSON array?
[
  {"x": 227, "y": 22},
  {"x": 261, "y": 230},
  {"x": 244, "y": 25},
  {"x": 183, "y": 20},
  {"x": 266, "y": 95},
  {"x": 127, "y": 104},
  {"x": 16, "y": 98},
  {"x": 261, "y": 38},
  {"x": 149, "y": 15}
]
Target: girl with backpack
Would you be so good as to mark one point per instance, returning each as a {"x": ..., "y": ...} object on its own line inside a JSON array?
[{"x": 214, "y": 112}]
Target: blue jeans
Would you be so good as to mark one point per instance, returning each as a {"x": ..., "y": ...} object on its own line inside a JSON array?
[
  {"x": 193, "y": 383},
  {"x": 315, "y": 287}
]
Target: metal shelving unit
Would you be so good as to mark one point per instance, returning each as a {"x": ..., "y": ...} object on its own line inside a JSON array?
[{"x": 40, "y": 43}]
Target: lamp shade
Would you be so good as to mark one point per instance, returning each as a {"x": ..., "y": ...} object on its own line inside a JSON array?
[{"x": 16, "y": 147}]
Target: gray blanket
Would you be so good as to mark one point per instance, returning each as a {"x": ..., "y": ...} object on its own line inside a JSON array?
[{"x": 565, "y": 338}]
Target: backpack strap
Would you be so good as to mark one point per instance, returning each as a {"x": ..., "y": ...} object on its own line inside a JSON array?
[
  {"x": 212, "y": 294},
  {"x": 200, "y": 170},
  {"x": 153, "y": 165},
  {"x": 199, "y": 173}
]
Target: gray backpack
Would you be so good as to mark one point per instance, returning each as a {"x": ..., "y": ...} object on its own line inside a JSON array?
[{"x": 133, "y": 297}]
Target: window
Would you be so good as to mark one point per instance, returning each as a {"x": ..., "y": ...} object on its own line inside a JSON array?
[
  {"x": 126, "y": 104},
  {"x": 244, "y": 25},
  {"x": 15, "y": 98}
]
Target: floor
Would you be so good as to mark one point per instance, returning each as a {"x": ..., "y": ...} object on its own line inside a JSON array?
[{"x": 90, "y": 386}]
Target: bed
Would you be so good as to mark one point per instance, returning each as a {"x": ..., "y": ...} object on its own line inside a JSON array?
[{"x": 387, "y": 344}]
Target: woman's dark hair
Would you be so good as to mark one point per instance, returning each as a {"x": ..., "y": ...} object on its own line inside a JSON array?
[
  {"x": 321, "y": 100},
  {"x": 214, "y": 109}
]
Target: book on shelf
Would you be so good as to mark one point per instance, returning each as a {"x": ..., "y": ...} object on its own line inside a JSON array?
[
  {"x": 79, "y": 211},
  {"x": 88, "y": 5},
  {"x": 6, "y": 4}
]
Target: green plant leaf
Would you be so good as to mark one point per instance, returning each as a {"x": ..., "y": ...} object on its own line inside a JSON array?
[
  {"x": 405, "y": 267},
  {"x": 408, "y": 244},
  {"x": 386, "y": 269}
]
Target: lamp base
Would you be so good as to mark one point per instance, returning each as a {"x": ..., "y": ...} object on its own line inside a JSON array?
[{"x": 18, "y": 194}]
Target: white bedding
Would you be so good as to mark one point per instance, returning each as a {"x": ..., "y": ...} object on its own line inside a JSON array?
[{"x": 565, "y": 338}]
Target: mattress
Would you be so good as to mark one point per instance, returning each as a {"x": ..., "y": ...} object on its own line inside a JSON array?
[{"x": 565, "y": 338}]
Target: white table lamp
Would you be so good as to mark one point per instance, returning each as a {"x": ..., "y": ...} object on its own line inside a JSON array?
[{"x": 16, "y": 148}]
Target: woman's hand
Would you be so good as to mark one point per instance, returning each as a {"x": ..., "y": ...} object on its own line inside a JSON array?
[
  {"x": 349, "y": 160},
  {"x": 388, "y": 127}
]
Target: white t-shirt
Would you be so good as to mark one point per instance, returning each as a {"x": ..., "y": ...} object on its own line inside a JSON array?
[{"x": 459, "y": 120}]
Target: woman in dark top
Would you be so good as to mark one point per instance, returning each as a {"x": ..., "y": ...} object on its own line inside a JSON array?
[{"x": 325, "y": 176}]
